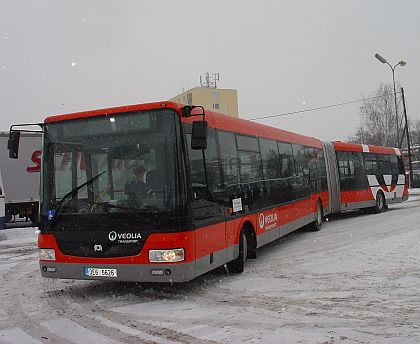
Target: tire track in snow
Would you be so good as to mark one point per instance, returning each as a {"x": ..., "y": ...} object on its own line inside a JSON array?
[
  {"x": 76, "y": 307},
  {"x": 21, "y": 303}
]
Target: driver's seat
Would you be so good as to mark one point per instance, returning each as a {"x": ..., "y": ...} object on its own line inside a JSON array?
[{"x": 154, "y": 181}]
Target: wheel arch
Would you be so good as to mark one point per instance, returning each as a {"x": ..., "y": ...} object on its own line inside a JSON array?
[{"x": 380, "y": 191}]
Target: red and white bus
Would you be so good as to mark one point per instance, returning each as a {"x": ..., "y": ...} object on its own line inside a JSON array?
[{"x": 217, "y": 189}]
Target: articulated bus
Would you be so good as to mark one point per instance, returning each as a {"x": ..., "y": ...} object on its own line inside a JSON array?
[{"x": 214, "y": 189}]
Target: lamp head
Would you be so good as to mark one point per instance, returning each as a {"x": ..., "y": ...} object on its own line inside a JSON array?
[
  {"x": 380, "y": 58},
  {"x": 402, "y": 63}
]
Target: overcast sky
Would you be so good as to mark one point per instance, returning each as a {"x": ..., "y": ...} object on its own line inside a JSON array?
[{"x": 66, "y": 56}]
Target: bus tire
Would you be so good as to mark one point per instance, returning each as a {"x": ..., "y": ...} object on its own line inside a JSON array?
[
  {"x": 317, "y": 224},
  {"x": 380, "y": 205},
  {"x": 237, "y": 266}
]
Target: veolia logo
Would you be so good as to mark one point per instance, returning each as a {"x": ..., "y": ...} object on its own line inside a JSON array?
[
  {"x": 268, "y": 221},
  {"x": 261, "y": 220},
  {"x": 124, "y": 238},
  {"x": 112, "y": 236}
]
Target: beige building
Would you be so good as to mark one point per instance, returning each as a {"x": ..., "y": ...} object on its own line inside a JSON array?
[{"x": 215, "y": 99}]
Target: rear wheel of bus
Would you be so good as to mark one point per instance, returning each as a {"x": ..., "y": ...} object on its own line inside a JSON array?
[{"x": 380, "y": 205}]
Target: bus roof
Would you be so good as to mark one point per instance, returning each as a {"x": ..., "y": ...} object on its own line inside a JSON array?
[
  {"x": 225, "y": 122},
  {"x": 356, "y": 147},
  {"x": 111, "y": 111},
  {"x": 216, "y": 120}
]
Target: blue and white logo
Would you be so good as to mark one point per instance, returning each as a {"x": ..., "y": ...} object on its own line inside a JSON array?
[{"x": 51, "y": 214}]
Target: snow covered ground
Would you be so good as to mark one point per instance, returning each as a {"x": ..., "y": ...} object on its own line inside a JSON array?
[{"x": 355, "y": 281}]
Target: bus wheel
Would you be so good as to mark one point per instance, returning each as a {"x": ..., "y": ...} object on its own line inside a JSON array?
[
  {"x": 317, "y": 224},
  {"x": 380, "y": 205},
  {"x": 237, "y": 266}
]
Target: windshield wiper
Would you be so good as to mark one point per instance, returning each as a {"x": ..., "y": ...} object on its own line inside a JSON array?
[
  {"x": 70, "y": 195},
  {"x": 133, "y": 211}
]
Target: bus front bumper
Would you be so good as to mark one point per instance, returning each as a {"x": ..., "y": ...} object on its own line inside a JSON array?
[{"x": 166, "y": 273}]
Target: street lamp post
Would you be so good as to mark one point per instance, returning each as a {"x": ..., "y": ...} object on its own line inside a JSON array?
[{"x": 402, "y": 63}]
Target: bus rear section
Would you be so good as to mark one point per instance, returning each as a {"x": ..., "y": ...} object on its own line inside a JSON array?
[{"x": 370, "y": 176}]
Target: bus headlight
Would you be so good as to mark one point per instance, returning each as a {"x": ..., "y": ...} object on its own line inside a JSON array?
[
  {"x": 170, "y": 256},
  {"x": 46, "y": 254}
]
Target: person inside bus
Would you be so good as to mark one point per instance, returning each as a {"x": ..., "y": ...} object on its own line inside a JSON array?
[{"x": 136, "y": 189}]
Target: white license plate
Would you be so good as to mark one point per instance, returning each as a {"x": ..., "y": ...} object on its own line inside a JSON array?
[{"x": 98, "y": 272}]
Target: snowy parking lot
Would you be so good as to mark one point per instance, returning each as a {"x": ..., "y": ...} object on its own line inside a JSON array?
[{"x": 355, "y": 281}]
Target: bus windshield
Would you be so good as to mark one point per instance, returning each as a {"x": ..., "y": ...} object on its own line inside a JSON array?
[{"x": 128, "y": 164}]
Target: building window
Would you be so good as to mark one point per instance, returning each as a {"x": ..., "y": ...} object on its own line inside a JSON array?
[
  {"x": 189, "y": 99},
  {"x": 216, "y": 106}
]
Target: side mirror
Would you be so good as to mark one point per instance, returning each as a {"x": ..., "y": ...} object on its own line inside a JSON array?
[
  {"x": 199, "y": 135},
  {"x": 13, "y": 144},
  {"x": 186, "y": 110}
]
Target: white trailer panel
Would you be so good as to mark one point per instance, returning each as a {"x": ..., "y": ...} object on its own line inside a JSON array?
[{"x": 21, "y": 176}]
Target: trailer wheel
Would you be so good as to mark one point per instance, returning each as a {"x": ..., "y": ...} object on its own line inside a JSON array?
[
  {"x": 8, "y": 217},
  {"x": 237, "y": 266}
]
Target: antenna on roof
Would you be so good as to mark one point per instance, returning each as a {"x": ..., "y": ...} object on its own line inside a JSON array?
[{"x": 210, "y": 80}]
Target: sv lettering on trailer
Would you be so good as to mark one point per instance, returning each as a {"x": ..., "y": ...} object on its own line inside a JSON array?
[
  {"x": 36, "y": 162},
  {"x": 163, "y": 192}
]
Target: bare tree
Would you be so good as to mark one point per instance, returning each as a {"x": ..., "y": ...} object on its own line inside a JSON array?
[
  {"x": 377, "y": 119},
  {"x": 415, "y": 132}
]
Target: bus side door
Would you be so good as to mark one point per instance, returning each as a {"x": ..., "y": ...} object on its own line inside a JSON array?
[{"x": 207, "y": 205}]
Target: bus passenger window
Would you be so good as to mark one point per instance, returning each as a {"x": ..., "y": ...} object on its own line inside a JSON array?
[
  {"x": 393, "y": 160},
  {"x": 370, "y": 163},
  {"x": 229, "y": 164},
  {"x": 311, "y": 160},
  {"x": 300, "y": 182},
  {"x": 271, "y": 171},
  {"x": 351, "y": 170},
  {"x": 344, "y": 170},
  {"x": 251, "y": 178},
  {"x": 250, "y": 170},
  {"x": 287, "y": 171},
  {"x": 359, "y": 179},
  {"x": 214, "y": 179}
]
